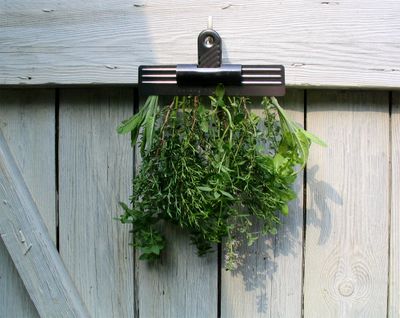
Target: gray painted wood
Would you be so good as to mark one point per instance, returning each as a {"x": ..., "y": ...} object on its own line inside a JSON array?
[
  {"x": 346, "y": 256},
  {"x": 268, "y": 282},
  {"x": 180, "y": 284},
  {"x": 328, "y": 43},
  {"x": 346, "y": 260},
  {"x": 33, "y": 252},
  {"x": 394, "y": 275},
  {"x": 27, "y": 120},
  {"x": 14, "y": 299},
  {"x": 96, "y": 166}
]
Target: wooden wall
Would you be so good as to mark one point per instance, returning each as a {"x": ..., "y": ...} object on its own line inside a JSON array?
[
  {"x": 329, "y": 43},
  {"x": 336, "y": 255}
]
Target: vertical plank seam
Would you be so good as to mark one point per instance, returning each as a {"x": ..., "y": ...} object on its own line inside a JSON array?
[
  {"x": 304, "y": 212},
  {"x": 57, "y": 167},
  {"x": 390, "y": 195},
  {"x": 271, "y": 277},
  {"x": 219, "y": 279},
  {"x": 135, "y": 267}
]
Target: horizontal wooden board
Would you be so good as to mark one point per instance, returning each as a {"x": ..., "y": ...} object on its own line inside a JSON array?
[{"x": 332, "y": 43}]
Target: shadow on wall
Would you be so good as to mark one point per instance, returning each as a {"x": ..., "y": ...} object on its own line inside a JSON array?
[
  {"x": 321, "y": 193},
  {"x": 259, "y": 264}
]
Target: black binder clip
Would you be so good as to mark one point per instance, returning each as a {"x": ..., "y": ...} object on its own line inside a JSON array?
[{"x": 201, "y": 79}]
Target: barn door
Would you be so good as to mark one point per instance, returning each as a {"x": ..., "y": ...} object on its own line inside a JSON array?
[{"x": 29, "y": 242}]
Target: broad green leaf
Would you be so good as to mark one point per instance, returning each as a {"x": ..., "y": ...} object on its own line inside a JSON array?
[
  {"x": 279, "y": 160},
  {"x": 220, "y": 91},
  {"x": 273, "y": 231},
  {"x": 207, "y": 189},
  {"x": 148, "y": 256},
  {"x": 131, "y": 124},
  {"x": 136, "y": 120},
  {"x": 156, "y": 249},
  {"x": 201, "y": 110},
  {"x": 204, "y": 126},
  {"x": 314, "y": 138},
  {"x": 125, "y": 206},
  {"x": 251, "y": 238},
  {"x": 285, "y": 209},
  {"x": 228, "y": 195}
]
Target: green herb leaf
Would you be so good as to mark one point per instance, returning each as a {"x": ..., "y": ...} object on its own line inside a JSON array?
[
  {"x": 228, "y": 195},
  {"x": 314, "y": 138},
  {"x": 207, "y": 189},
  {"x": 285, "y": 209},
  {"x": 204, "y": 126}
]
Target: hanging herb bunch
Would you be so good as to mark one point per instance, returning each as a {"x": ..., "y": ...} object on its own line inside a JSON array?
[{"x": 213, "y": 168}]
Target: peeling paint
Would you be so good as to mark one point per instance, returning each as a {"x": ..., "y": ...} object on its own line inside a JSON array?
[
  {"x": 28, "y": 249},
  {"x": 230, "y": 5},
  {"x": 227, "y": 6},
  {"x": 22, "y": 236},
  {"x": 298, "y": 64},
  {"x": 384, "y": 69}
]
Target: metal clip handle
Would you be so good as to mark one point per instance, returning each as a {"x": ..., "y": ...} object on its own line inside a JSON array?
[
  {"x": 190, "y": 74},
  {"x": 209, "y": 49}
]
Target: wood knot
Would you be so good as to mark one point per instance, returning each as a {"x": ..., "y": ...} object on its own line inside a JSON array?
[{"x": 346, "y": 288}]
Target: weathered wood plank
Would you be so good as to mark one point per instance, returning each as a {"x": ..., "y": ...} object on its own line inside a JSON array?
[
  {"x": 27, "y": 121},
  {"x": 96, "y": 166},
  {"x": 268, "y": 283},
  {"x": 328, "y": 43},
  {"x": 33, "y": 252},
  {"x": 14, "y": 299},
  {"x": 180, "y": 284},
  {"x": 394, "y": 275},
  {"x": 346, "y": 261}
]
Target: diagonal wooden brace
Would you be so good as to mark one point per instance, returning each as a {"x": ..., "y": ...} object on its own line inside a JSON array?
[{"x": 27, "y": 240}]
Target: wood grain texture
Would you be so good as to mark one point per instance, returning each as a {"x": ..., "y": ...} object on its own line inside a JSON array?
[
  {"x": 180, "y": 284},
  {"x": 27, "y": 120},
  {"x": 28, "y": 123},
  {"x": 268, "y": 281},
  {"x": 346, "y": 248},
  {"x": 394, "y": 275},
  {"x": 96, "y": 166},
  {"x": 30, "y": 246},
  {"x": 321, "y": 43}
]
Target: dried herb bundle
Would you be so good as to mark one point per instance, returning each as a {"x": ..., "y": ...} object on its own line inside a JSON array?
[{"x": 212, "y": 167}]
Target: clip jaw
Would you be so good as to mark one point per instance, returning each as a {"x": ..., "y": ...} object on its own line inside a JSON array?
[{"x": 201, "y": 79}]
